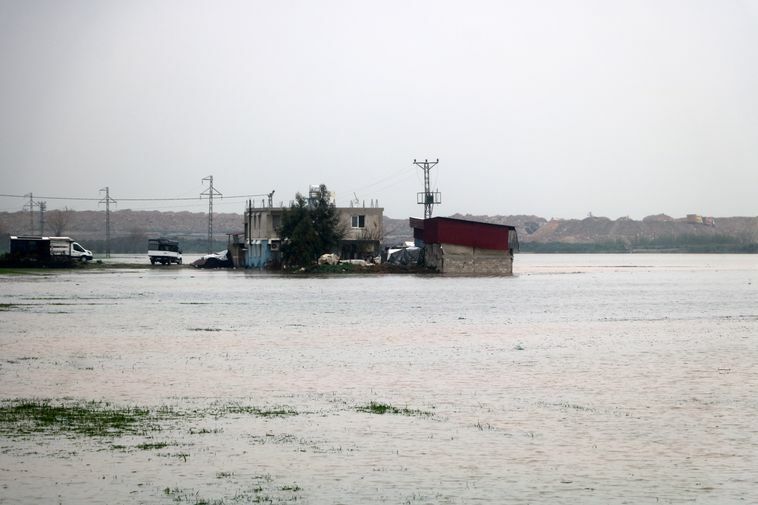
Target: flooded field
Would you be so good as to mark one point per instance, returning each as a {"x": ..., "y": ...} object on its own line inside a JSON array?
[{"x": 583, "y": 379}]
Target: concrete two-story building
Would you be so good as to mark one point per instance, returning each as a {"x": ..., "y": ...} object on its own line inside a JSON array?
[{"x": 360, "y": 224}]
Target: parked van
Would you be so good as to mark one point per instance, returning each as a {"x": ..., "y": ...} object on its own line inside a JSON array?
[{"x": 80, "y": 253}]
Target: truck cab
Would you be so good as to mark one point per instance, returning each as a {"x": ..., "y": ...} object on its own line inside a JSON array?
[
  {"x": 164, "y": 251},
  {"x": 80, "y": 253}
]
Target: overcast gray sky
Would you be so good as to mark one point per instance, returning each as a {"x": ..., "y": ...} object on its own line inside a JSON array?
[{"x": 556, "y": 108}]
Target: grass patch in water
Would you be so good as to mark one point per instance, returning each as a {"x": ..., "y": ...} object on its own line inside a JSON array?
[
  {"x": 257, "y": 411},
  {"x": 152, "y": 445},
  {"x": 262, "y": 490},
  {"x": 95, "y": 419},
  {"x": 22, "y": 271},
  {"x": 205, "y": 431},
  {"x": 385, "y": 408},
  {"x": 188, "y": 496}
]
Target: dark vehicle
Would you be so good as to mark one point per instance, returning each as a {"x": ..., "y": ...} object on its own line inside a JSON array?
[
  {"x": 31, "y": 249},
  {"x": 164, "y": 251}
]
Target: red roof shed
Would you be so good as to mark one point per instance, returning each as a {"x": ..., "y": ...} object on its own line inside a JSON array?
[{"x": 446, "y": 230}]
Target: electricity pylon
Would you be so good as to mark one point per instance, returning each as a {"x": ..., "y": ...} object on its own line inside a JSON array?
[
  {"x": 42, "y": 208},
  {"x": 428, "y": 198},
  {"x": 210, "y": 193},
  {"x": 30, "y": 205},
  {"x": 107, "y": 201}
]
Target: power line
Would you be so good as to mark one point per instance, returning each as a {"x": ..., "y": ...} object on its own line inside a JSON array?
[
  {"x": 164, "y": 199},
  {"x": 402, "y": 173}
]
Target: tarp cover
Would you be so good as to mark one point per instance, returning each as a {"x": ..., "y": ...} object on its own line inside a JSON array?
[
  {"x": 221, "y": 259},
  {"x": 406, "y": 256}
]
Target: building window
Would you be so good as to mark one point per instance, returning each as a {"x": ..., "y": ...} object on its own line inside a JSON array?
[{"x": 358, "y": 221}]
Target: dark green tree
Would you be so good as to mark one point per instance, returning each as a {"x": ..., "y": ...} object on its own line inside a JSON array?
[{"x": 310, "y": 228}]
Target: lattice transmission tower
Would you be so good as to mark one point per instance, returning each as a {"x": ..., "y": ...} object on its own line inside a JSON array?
[
  {"x": 210, "y": 193},
  {"x": 428, "y": 198},
  {"x": 42, "y": 208},
  {"x": 107, "y": 201},
  {"x": 30, "y": 206}
]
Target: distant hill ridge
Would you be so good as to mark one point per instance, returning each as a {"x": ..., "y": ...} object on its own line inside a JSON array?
[{"x": 655, "y": 232}]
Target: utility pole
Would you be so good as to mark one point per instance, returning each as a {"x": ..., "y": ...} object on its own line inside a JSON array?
[
  {"x": 30, "y": 205},
  {"x": 107, "y": 201},
  {"x": 210, "y": 193},
  {"x": 428, "y": 198},
  {"x": 42, "y": 208}
]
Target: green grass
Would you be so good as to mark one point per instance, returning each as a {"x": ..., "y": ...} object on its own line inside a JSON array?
[
  {"x": 93, "y": 418},
  {"x": 257, "y": 411},
  {"x": 22, "y": 271},
  {"x": 188, "y": 496},
  {"x": 384, "y": 408},
  {"x": 154, "y": 445},
  {"x": 261, "y": 490},
  {"x": 205, "y": 431},
  {"x": 96, "y": 419}
]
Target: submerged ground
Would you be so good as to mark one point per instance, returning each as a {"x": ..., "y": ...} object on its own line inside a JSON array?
[{"x": 584, "y": 379}]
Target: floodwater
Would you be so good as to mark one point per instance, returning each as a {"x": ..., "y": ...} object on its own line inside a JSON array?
[{"x": 582, "y": 379}]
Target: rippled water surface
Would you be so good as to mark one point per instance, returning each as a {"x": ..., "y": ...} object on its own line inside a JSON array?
[{"x": 583, "y": 379}]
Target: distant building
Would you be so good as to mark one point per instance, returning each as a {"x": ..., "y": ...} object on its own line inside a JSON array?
[
  {"x": 262, "y": 242},
  {"x": 362, "y": 226},
  {"x": 698, "y": 219},
  {"x": 459, "y": 246},
  {"x": 364, "y": 231}
]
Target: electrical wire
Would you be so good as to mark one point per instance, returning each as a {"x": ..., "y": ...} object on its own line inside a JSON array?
[
  {"x": 169, "y": 199},
  {"x": 382, "y": 180}
]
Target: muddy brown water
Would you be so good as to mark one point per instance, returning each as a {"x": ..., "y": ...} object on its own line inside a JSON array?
[{"x": 583, "y": 379}]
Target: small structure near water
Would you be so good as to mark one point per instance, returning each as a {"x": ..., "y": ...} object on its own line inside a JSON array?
[{"x": 458, "y": 246}]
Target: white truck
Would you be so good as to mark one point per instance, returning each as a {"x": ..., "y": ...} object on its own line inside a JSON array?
[
  {"x": 164, "y": 251},
  {"x": 30, "y": 248}
]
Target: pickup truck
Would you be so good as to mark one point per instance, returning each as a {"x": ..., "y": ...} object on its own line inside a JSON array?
[{"x": 164, "y": 251}]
